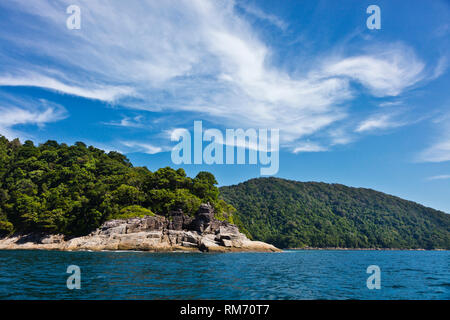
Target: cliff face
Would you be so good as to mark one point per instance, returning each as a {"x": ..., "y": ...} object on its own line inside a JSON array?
[{"x": 177, "y": 232}]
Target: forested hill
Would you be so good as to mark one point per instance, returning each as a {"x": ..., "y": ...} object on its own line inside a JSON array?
[
  {"x": 56, "y": 188},
  {"x": 297, "y": 214}
]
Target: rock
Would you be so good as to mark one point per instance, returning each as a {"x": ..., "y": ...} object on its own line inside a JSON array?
[
  {"x": 153, "y": 223},
  {"x": 227, "y": 243},
  {"x": 178, "y": 220},
  {"x": 154, "y": 234},
  {"x": 203, "y": 218},
  {"x": 54, "y": 238},
  {"x": 189, "y": 244},
  {"x": 208, "y": 243},
  {"x": 150, "y": 233},
  {"x": 121, "y": 229},
  {"x": 190, "y": 237}
]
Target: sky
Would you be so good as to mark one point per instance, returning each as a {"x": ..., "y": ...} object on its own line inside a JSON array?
[{"x": 356, "y": 106}]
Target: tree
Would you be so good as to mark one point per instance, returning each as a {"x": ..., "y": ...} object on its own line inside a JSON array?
[
  {"x": 295, "y": 214},
  {"x": 56, "y": 188}
]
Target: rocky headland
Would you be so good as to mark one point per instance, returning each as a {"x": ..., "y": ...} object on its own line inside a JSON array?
[{"x": 177, "y": 232}]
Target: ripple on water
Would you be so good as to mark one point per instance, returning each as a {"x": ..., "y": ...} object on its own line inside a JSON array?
[{"x": 312, "y": 274}]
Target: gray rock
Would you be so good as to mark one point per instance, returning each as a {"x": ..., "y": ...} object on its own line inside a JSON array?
[
  {"x": 189, "y": 244},
  {"x": 152, "y": 233},
  {"x": 52, "y": 239},
  {"x": 227, "y": 243},
  {"x": 203, "y": 218}
]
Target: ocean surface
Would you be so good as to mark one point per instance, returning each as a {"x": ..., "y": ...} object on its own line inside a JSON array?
[{"x": 311, "y": 274}]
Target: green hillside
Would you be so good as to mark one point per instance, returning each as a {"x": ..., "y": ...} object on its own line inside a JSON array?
[
  {"x": 56, "y": 188},
  {"x": 297, "y": 214}
]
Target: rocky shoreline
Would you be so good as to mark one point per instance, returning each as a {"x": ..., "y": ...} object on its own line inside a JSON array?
[{"x": 178, "y": 232}]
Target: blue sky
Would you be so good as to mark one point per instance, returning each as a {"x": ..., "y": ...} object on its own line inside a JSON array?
[{"x": 365, "y": 108}]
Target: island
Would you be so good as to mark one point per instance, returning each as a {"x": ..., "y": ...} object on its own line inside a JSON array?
[{"x": 61, "y": 197}]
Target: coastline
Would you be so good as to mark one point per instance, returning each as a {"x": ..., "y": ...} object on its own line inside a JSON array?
[
  {"x": 155, "y": 233},
  {"x": 98, "y": 245},
  {"x": 256, "y": 246},
  {"x": 365, "y": 249}
]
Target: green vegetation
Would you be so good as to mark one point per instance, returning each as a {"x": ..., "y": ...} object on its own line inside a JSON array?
[
  {"x": 295, "y": 214},
  {"x": 133, "y": 211},
  {"x": 57, "y": 188}
]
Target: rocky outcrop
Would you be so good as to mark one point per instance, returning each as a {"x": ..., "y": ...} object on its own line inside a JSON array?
[{"x": 177, "y": 232}]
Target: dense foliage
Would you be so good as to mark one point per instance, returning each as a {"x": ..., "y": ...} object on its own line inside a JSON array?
[
  {"x": 57, "y": 188},
  {"x": 295, "y": 214}
]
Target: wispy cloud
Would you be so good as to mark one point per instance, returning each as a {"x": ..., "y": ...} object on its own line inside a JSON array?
[
  {"x": 439, "y": 150},
  {"x": 26, "y": 112},
  {"x": 134, "y": 146},
  {"x": 128, "y": 122},
  {"x": 105, "y": 93},
  {"x": 441, "y": 67},
  {"x": 260, "y": 14},
  {"x": 309, "y": 147},
  {"x": 385, "y": 72},
  {"x": 340, "y": 135},
  {"x": 379, "y": 122},
  {"x": 391, "y": 103},
  {"x": 196, "y": 56},
  {"x": 439, "y": 177}
]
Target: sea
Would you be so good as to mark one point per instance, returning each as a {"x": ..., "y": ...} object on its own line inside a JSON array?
[{"x": 291, "y": 275}]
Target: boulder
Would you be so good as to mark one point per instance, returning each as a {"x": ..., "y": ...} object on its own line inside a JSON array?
[
  {"x": 227, "y": 243},
  {"x": 203, "y": 218},
  {"x": 150, "y": 233},
  {"x": 52, "y": 239},
  {"x": 178, "y": 220}
]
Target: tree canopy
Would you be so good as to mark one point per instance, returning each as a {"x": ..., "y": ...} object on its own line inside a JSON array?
[
  {"x": 57, "y": 188},
  {"x": 297, "y": 214}
]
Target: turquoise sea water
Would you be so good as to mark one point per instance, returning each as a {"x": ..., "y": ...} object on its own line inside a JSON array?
[{"x": 315, "y": 274}]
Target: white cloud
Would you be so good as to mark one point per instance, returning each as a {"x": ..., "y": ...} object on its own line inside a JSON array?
[
  {"x": 273, "y": 19},
  {"x": 30, "y": 112},
  {"x": 128, "y": 122},
  {"x": 391, "y": 103},
  {"x": 384, "y": 73},
  {"x": 439, "y": 177},
  {"x": 440, "y": 68},
  {"x": 197, "y": 56},
  {"x": 340, "y": 136},
  {"x": 141, "y": 147},
  {"x": 438, "y": 152},
  {"x": 379, "y": 122},
  {"x": 104, "y": 93},
  {"x": 309, "y": 147}
]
